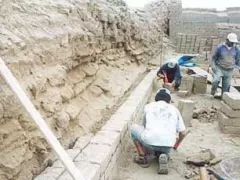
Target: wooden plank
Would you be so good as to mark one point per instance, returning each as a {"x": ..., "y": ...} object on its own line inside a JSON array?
[{"x": 43, "y": 127}]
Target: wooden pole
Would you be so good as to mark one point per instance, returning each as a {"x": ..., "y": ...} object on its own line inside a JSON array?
[
  {"x": 203, "y": 173},
  {"x": 43, "y": 127}
]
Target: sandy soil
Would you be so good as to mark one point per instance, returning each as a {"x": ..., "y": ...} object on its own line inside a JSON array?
[{"x": 202, "y": 136}]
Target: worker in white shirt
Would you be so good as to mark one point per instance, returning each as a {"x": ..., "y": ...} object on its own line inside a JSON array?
[{"x": 161, "y": 123}]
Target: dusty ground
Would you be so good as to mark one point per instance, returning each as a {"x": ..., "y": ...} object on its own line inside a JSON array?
[{"x": 202, "y": 136}]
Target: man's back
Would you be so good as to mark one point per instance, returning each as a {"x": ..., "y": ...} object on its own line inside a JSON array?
[{"x": 163, "y": 120}]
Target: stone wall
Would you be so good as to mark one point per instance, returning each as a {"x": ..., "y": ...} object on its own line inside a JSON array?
[
  {"x": 110, "y": 142},
  {"x": 75, "y": 59}
]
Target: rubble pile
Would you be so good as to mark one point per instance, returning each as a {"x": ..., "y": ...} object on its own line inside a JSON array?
[{"x": 206, "y": 115}]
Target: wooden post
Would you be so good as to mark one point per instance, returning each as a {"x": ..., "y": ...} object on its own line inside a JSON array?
[
  {"x": 43, "y": 127},
  {"x": 203, "y": 173}
]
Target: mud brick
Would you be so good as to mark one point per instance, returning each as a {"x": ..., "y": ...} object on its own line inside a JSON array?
[
  {"x": 186, "y": 108},
  {"x": 227, "y": 121},
  {"x": 227, "y": 110},
  {"x": 232, "y": 100}
]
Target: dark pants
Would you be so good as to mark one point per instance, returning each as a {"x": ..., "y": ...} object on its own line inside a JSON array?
[{"x": 171, "y": 78}]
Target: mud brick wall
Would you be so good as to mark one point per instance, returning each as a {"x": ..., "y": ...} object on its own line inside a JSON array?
[{"x": 205, "y": 24}]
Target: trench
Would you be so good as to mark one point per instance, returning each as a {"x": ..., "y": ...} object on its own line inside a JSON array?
[{"x": 202, "y": 137}]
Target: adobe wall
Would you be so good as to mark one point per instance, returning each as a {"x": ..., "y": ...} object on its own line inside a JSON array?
[{"x": 203, "y": 24}]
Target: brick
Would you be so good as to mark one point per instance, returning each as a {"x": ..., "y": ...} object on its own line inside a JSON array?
[
  {"x": 111, "y": 168},
  {"x": 50, "y": 173},
  {"x": 116, "y": 126},
  {"x": 182, "y": 93},
  {"x": 226, "y": 121},
  {"x": 88, "y": 170},
  {"x": 82, "y": 142},
  {"x": 230, "y": 130},
  {"x": 227, "y": 110},
  {"x": 232, "y": 99},
  {"x": 96, "y": 154},
  {"x": 186, "y": 108},
  {"x": 109, "y": 138},
  {"x": 73, "y": 153}
]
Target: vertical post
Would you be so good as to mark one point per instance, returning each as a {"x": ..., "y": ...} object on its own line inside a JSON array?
[{"x": 43, "y": 127}]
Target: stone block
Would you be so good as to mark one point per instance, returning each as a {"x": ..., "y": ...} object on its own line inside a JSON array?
[
  {"x": 200, "y": 85},
  {"x": 82, "y": 142},
  {"x": 186, "y": 108},
  {"x": 96, "y": 154},
  {"x": 50, "y": 173},
  {"x": 116, "y": 126},
  {"x": 231, "y": 130},
  {"x": 111, "y": 168},
  {"x": 187, "y": 84},
  {"x": 182, "y": 93},
  {"x": 227, "y": 110},
  {"x": 88, "y": 170},
  {"x": 109, "y": 138},
  {"x": 227, "y": 121},
  {"x": 73, "y": 153},
  {"x": 232, "y": 100}
]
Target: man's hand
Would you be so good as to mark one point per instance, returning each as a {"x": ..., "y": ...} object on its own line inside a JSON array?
[
  {"x": 173, "y": 84},
  {"x": 161, "y": 76}
]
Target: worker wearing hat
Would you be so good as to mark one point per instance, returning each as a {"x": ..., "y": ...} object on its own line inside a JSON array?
[
  {"x": 161, "y": 123},
  {"x": 171, "y": 72},
  {"x": 225, "y": 58}
]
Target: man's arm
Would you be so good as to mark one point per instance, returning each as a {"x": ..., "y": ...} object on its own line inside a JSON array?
[
  {"x": 237, "y": 61},
  {"x": 215, "y": 56},
  {"x": 144, "y": 120},
  {"x": 177, "y": 75},
  {"x": 160, "y": 72}
]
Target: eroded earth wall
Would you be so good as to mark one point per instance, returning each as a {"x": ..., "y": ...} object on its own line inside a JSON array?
[{"x": 75, "y": 59}]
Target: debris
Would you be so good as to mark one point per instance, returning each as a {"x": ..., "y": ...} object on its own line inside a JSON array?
[
  {"x": 206, "y": 115},
  {"x": 201, "y": 158},
  {"x": 215, "y": 161}
]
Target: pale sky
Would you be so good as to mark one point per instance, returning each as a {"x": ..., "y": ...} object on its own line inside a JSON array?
[{"x": 219, "y": 4}]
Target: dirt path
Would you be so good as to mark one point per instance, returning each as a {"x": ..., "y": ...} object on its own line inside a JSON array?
[{"x": 202, "y": 136}]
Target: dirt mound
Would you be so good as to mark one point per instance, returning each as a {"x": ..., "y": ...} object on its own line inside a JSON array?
[{"x": 206, "y": 115}]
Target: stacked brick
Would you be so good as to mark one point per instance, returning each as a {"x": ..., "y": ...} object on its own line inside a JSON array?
[{"x": 229, "y": 115}]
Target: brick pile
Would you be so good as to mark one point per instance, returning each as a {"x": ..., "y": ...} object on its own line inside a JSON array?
[{"x": 229, "y": 115}]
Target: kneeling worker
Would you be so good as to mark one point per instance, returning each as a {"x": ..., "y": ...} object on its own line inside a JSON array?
[
  {"x": 161, "y": 123},
  {"x": 171, "y": 70}
]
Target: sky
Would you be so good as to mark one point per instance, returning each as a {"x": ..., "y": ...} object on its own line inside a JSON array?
[{"x": 219, "y": 4}]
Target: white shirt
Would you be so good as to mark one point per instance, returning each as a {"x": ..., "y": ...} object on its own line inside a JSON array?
[{"x": 163, "y": 121}]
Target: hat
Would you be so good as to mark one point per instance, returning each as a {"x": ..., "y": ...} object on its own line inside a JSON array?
[
  {"x": 163, "y": 94},
  {"x": 232, "y": 37},
  {"x": 172, "y": 64}
]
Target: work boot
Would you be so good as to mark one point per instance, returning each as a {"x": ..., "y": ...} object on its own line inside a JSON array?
[
  {"x": 141, "y": 161},
  {"x": 213, "y": 92},
  {"x": 163, "y": 164}
]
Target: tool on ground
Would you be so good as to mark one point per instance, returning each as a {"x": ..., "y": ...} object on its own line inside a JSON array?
[
  {"x": 203, "y": 173},
  {"x": 177, "y": 144},
  {"x": 40, "y": 122},
  {"x": 215, "y": 174}
]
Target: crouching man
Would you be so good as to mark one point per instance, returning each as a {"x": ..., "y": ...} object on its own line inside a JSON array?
[
  {"x": 171, "y": 72},
  {"x": 161, "y": 123}
]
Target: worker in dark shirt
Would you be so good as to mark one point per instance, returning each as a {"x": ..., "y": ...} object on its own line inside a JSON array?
[{"x": 171, "y": 70}]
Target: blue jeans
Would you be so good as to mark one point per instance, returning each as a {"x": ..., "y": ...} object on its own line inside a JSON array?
[
  {"x": 226, "y": 76},
  {"x": 136, "y": 132}
]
